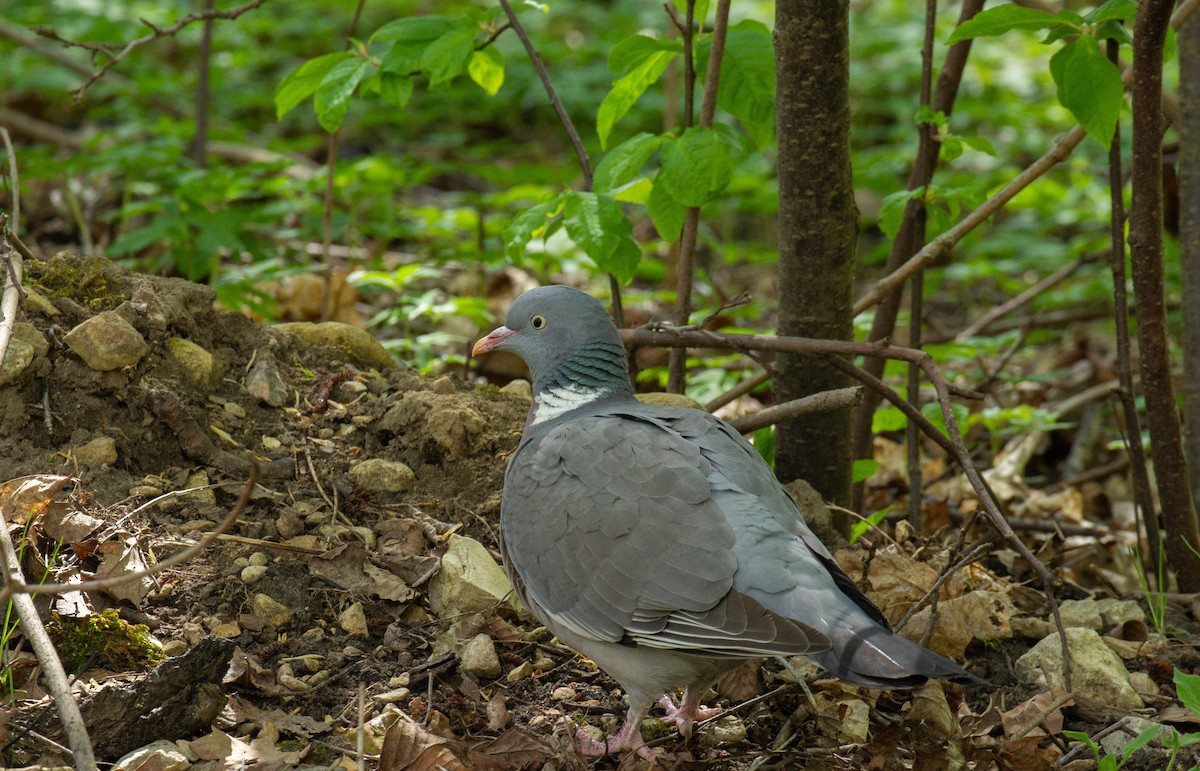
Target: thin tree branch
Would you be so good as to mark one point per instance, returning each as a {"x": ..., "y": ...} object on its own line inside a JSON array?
[
  {"x": 738, "y": 391},
  {"x": 14, "y": 179},
  {"x": 155, "y": 34},
  {"x": 677, "y": 364},
  {"x": 568, "y": 125},
  {"x": 1029, "y": 294},
  {"x": 825, "y": 401}
]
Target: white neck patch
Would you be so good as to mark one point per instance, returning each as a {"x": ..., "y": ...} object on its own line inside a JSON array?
[{"x": 558, "y": 399}]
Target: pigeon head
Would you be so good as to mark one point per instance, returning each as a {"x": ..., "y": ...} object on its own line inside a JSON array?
[{"x": 570, "y": 344}]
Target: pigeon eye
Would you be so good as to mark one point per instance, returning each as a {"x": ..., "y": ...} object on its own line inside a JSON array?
[{"x": 537, "y": 321}]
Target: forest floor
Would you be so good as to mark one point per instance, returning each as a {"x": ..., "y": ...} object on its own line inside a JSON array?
[{"x": 355, "y": 595}]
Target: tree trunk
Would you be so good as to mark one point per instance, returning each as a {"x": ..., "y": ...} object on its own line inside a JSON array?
[
  {"x": 1146, "y": 251},
  {"x": 817, "y": 230},
  {"x": 1189, "y": 241}
]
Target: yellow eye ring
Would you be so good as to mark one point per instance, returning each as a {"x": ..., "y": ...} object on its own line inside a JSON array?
[{"x": 537, "y": 321}]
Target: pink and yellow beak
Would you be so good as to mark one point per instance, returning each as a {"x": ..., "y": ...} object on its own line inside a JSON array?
[{"x": 493, "y": 341}]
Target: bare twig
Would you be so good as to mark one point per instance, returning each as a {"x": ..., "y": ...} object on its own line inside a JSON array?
[
  {"x": 825, "y": 401},
  {"x": 155, "y": 34},
  {"x": 21, "y": 589},
  {"x": 1046, "y": 283},
  {"x": 331, "y": 151},
  {"x": 677, "y": 364},
  {"x": 14, "y": 179},
  {"x": 738, "y": 391},
  {"x": 568, "y": 125},
  {"x": 203, "y": 93}
]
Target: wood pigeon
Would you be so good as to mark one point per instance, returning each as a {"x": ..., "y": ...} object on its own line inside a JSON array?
[{"x": 657, "y": 542}]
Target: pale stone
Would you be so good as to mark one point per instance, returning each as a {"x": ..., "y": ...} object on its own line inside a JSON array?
[
  {"x": 356, "y": 343},
  {"x": 28, "y": 333},
  {"x": 519, "y": 388},
  {"x": 200, "y": 368},
  {"x": 383, "y": 476},
  {"x": 353, "y": 620},
  {"x": 727, "y": 730},
  {"x": 101, "y": 451},
  {"x": 479, "y": 658},
  {"x": 469, "y": 580},
  {"x": 161, "y": 755},
  {"x": 17, "y": 359},
  {"x": 107, "y": 342},
  {"x": 252, "y": 574},
  {"x": 1096, "y": 672},
  {"x": 265, "y": 384},
  {"x": 271, "y": 610},
  {"x": 663, "y": 399}
]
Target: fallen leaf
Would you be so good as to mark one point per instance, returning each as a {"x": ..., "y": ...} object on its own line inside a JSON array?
[{"x": 409, "y": 747}]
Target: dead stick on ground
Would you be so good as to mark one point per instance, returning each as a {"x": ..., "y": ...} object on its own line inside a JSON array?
[{"x": 825, "y": 401}]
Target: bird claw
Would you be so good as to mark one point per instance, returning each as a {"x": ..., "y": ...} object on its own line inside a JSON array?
[
  {"x": 685, "y": 714},
  {"x": 624, "y": 740}
]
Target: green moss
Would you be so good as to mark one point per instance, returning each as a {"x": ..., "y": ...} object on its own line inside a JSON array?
[
  {"x": 104, "y": 640},
  {"x": 89, "y": 281}
]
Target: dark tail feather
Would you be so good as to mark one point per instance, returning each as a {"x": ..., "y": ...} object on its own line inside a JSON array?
[{"x": 878, "y": 658}]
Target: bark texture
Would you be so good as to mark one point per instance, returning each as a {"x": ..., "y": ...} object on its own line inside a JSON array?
[
  {"x": 817, "y": 230},
  {"x": 1189, "y": 241},
  {"x": 1146, "y": 250}
]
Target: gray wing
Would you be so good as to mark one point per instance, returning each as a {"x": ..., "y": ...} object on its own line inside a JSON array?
[{"x": 611, "y": 524}]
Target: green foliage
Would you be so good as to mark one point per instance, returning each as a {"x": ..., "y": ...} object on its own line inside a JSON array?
[
  {"x": 1108, "y": 761},
  {"x": 1089, "y": 85},
  {"x": 859, "y": 529}
]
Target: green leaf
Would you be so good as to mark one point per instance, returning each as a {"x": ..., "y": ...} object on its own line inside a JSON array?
[
  {"x": 891, "y": 210},
  {"x": 666, "y": 213},
  {"x": 863, "y": 469},
  {"x": 445, "y": 58},
  {"x": 637, "y": 191},
  {"x": 888, "y": 419},
  {"x": 698, "y": 165},
  {"x": 301, "y": 82},
  {"x": 764, "y": 442},
  {"x": 1123, "y": 10},
  {"x": 332, "y": 98},
  {"x": 858, "y": 529},
  {"x": 486, "y": 68},
  {"x": 636, "y": 49},
  {"x": 414, "y": 29},
  {"x": 624, "y": 162},
  {"x": 627, "y": 89},
  {"x": 395, "y": 89},
  {"x": 597, "y": 225},
  {"x": 982, "y": 144},
  {"x": 1188, "y": 688},
  {"x": 1001, "y": 19},
  {"x": 528, "y": 225},
  {"x": 747, "y": 86},
  {"x": 1142, "y": 739},
  {"x": 1089, "y": 85}
]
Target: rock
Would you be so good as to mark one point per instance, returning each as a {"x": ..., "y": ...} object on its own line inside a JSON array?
[
  {"x": 1081, "y": 613},
  {"x": 101, "y": 451},
  {"x": 383, "y": 476},
  {"x": 207, "y": 495},
  {"x": 520, "y": 672},
  {"x": 394, "y": 696},
  {"x": 479, "y": 658},
  {"x": 663, "y": 399},
  {"x": 1143, "y": 684},
  {"x": 227, "y": 630},
  {"x": 107, "y": 342},
  {"x": 353, "y": 620},
  {"x": 270, "y": 610},
  {"x": 28, "y": 333},
  {"x": 252, "y": 574},
  {"x": 727, "y": 730},
  {"x": 469, "y": 580},
  {"x": 563, "y": 693},
  {"x": 265, "y": 384},
  {"x": 36, "y": 302},
  {"x": 17, "y": 359},
  {"x": 200, "y": 368},
  {"x": 161, "y": 755},
  {"x": 289, "y": 524},
  {"x": 1116, "y": 612},
  {"x": 1096, "y": 672},
  {"x": 519, "y": 388},
  {"x": 443, "y": 385},
  {"x": 1127, "y": 729},
  {"x": 172, "y": 648},
  {"x": 455, "y": 428},
  {"x": 356, "y": 343},
  {"x": 258, "y": 558}
]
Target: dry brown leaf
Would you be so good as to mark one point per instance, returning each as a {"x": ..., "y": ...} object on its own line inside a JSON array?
[
  {"x": 740, "y": 683},
  {"x": 409, "y": 747},
  {"x": 121, "y": 558},
  {"x": 1020, "y": 717},
  {"x": 978, "y": 615},
  {"x": 69, "y": 525},
  {"x": 497, "y": 713},
  {"x": 513, "y": 749},
  {"x": 931, "y": 714},
  {"x": 219, "y": 745},
  {"x": 26, "y": 497},
  {"x": 1025, "y": 754},
  {"x": 270, "y": 755}
]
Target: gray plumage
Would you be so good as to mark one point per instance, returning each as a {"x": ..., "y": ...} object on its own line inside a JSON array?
[{"x": 656, "y": 541}]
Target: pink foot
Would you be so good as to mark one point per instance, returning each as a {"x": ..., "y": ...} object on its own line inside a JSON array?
[
  {"x": 688, "y": 712},
  {"x": 628, "y": 739}
]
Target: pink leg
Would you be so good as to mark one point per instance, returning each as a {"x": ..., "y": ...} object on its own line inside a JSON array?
[
  {"x": 688, "y": 712},
  {"x": 627, "y": 739}
]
